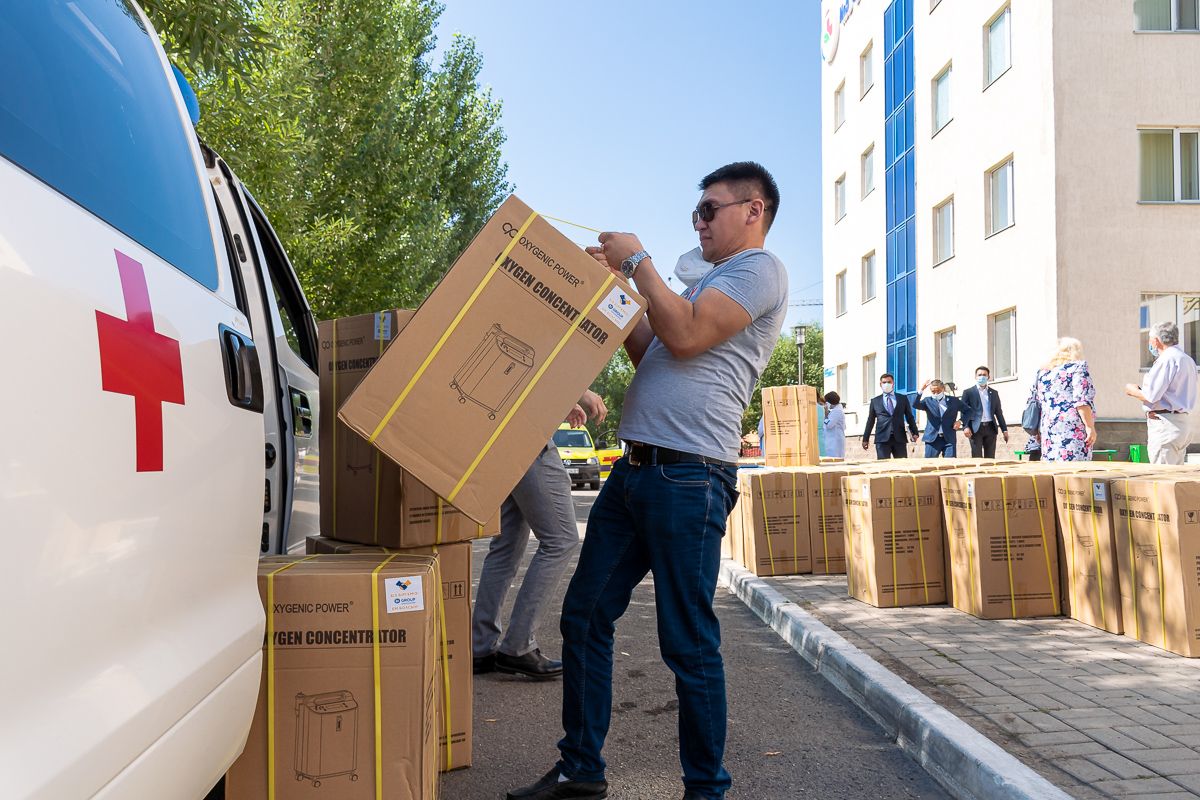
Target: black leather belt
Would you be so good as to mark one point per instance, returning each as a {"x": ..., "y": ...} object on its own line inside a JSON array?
[
  {"x": 648, "y": 455},
  {"x": 1160, "y": 411}
]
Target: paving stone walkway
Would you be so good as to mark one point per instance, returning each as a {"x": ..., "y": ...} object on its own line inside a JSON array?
[{"x": 1099, "y": 715}]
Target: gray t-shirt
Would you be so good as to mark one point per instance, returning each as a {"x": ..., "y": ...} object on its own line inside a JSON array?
[{"x": 696, "y": 404}]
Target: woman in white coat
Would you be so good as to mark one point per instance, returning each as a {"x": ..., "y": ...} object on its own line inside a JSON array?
[{"x": 835, "y": 427}]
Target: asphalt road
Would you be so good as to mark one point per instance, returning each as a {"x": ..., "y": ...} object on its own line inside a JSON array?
[{"x": 791, "y": 735}]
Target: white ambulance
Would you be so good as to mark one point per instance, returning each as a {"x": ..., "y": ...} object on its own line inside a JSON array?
[{"x": 159, "y": 410}]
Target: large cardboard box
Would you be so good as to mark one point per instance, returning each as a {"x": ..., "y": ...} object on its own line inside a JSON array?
[
  {"x": 365, "y": 497},
  {"x": 894, "y": 543},
  {"x": 791, "y": 426},
  {"x": 1003, "y": 544},
  {"x": 493, "y": 360},
  {"x": 827, "y": 519},
  {"x": 1158, "y": 555},
  {"x": 313, "y": 735},
  {"x": 773, "y": 531},
  {"x": 454, "y": 656},
  {"x": 1091, "y": 591}
]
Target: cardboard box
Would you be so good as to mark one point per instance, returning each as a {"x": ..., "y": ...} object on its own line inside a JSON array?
[
  {"x": 894, "y": 543},
  {"x": 1003, "y": 544},
  {"x": 827, "y": 519},
  {"x": 365, "y": 497},
  {"x": 1158, "y": 553},
  {"x": 493, "y": 360},
  {"x": 313, "y": 732},
  {"x": 454, "y": 654},
  {"x": 791, "y": 426},
  {"x": 774, "y": 522},
  {"x": 1091, "y": 590}
]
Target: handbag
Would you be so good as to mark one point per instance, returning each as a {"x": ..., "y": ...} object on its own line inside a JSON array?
[{"x": 1031, "y": 420}]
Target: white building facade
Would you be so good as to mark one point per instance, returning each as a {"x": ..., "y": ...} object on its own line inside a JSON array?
[{"x": 999, "y": 173}]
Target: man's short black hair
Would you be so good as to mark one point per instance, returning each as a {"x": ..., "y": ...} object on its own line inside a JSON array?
[
  {"x": 985, "y": 369},
  {"x": 887, "y": 376},
  {"x": 754, "y": 178},
  {"x": 833, "y": 398}
]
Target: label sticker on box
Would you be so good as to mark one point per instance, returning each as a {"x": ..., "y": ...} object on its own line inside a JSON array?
[
  {"x": 404, "y": 594},
  {"x": 1099, "y": 491},
  {"x": 970, "y": 488},
  {"x": 383, "y": 326},
  {"x": 619, "y": 307}
]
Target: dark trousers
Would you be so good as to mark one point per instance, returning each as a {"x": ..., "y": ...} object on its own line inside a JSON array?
[
  {"x": 892, "y": 448},
  {"x": 667, "y": 520},
  {"x": 1034, "y": 455},
  {"x": 983, "y": 441},
  {"x": 939, "y": 447}
]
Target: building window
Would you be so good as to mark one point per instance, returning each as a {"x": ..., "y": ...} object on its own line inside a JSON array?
[
  {"x": 840, "y": 293},
  {"x": 839, "y": 198},
  {"x": 868, "y": 171},
  {"x": 839, "y": 105},
  {"x": 999, "y": 192},
  {"x": 1166, "y": 15},
  {"x": 1002, "y": 336},
  {"x": 941, "y": 99},
  {"x": 943, "y": 356},
  {"x": 868, "y": 276},
  {"x": 999, "y": 46},
  {"x": 1170, "y": 165},
  {"x": 943, "y": 231},
  {"x": 1183, "y": 309},
  {"x": 866, "y": 71},
  {"x": 868, "y": 377}
]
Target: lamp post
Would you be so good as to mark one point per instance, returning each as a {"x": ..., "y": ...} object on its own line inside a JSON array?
[{"x": 798, "y": 332}]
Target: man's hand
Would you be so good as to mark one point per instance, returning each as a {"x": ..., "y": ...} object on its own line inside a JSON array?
[
  {"x": 912, "y": 437},
  {"x": 967, "y": 432},
  {"x": 1005, "y": 435},
  {"x": 598, "y": 254},
  {"x": 925, "y": 385},
  {"x": 958, "y": 424},
  {"x": 865, "y": 445},
  {"x": 1135, "y": 391},
  {"x": 1091, "y": 436},
  {"x": 577, "y": 417},
  {"x": 617, "y": 247},
  {"x": 593, "y": 404}
]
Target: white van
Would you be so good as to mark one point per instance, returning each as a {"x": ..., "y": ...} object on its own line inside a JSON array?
[{"x": 160, "y": 414}]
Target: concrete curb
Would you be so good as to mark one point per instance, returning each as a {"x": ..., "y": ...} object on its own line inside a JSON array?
[{"x": 965, "y": 762}]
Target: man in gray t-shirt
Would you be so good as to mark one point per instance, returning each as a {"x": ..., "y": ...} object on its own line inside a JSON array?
[{"x": 664, "y": 506}]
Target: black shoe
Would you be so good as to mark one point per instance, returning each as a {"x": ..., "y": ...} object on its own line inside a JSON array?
[
  {"x": 533, "y": 665},
  {"x": 551, "y": 788},
  {"x": 484, "y": 664}
]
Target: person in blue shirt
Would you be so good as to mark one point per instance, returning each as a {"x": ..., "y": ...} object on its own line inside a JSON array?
[{"x": 942, "y": 419}]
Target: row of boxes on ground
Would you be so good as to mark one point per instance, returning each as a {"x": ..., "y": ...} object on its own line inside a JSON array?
[{"x": 1109, "y": 545}]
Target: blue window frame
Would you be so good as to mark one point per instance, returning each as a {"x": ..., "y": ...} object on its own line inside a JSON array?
[
  {"x": 93, "y": 114},
  {"x": 900, "y": 186}
]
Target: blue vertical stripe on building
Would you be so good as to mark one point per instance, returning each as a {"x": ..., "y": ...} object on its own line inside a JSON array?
[{"x": 900, "y": 188}]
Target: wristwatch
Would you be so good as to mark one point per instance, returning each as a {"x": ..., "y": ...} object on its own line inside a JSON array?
[{"x": 630, "y": 265}]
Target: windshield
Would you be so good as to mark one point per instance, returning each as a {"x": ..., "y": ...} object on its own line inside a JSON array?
[{"x": 572, "y": 439}]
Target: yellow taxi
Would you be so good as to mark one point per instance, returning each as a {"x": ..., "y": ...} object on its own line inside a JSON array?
[{"x": 578, "y": 455}]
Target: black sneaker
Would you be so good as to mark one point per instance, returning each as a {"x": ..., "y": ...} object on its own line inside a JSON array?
[
  {"x": 532, "y": 665},
  {"x": 483, "y": 664},
  {"x": 551, "y": 788}
]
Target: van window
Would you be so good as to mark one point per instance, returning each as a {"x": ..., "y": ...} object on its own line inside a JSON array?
[
  {"x": 87, "y": 107},
  {"x": 572, "y": 438}
]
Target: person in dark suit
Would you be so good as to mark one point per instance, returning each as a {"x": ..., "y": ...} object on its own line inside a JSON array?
[
  {"x": 942, "y": 420},
  {"x": 983, "y": 417},
  {"x": 889, "y": 411}
]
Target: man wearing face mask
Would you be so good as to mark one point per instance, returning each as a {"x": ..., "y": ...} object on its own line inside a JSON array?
[
  {"x": 1168, "y": 394},
  {"x": 941, "y": 420},
  {"x": 888, "y": 414},
  {"x": 983, "y": 418}
]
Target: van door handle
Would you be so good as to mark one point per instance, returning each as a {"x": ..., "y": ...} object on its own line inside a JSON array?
[
  {"x": 302, "y": 423},
  {"x": 243, "y": 376}
]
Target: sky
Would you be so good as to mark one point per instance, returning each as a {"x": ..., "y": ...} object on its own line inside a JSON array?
[{"x": 614, "y": 111}]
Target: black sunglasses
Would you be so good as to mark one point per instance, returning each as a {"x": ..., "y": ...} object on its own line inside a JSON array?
[{"x": 707, "y": 210}]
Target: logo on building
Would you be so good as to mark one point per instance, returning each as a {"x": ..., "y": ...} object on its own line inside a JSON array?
[{"x": 834, "y": 14}]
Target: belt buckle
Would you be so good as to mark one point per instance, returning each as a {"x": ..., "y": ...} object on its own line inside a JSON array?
[{"x": 632, "y": 456}]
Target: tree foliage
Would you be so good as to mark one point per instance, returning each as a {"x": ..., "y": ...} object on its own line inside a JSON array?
[
  {"x": 611, "y": 385},
  {"x": 375, "y": 166},
  {"x": 781, "y": 370}
]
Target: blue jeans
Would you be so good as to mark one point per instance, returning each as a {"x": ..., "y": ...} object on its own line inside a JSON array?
[
  {"x": 940, "y": 447},
  {"x": 667, "y": 520}
]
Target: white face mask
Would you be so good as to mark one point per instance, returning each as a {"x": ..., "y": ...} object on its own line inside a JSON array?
[
  {"x": 887, "y": 388},
  {"x": 691, "y": 267}
]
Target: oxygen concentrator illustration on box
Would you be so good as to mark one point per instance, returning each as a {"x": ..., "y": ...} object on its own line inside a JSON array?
[
  {"x": 326, "y": 736},
  {"x": 494, "y": 372}
]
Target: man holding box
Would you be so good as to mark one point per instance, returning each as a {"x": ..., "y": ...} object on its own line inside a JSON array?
[
  {"x": 1168, "y": 395},
  {"x": 664, "y": 506}
]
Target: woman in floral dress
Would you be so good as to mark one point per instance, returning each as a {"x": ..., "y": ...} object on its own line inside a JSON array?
[{"x": 1067, "y": 397}]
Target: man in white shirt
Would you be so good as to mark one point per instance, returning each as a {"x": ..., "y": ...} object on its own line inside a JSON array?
[{"x": 1168, "y": 394}]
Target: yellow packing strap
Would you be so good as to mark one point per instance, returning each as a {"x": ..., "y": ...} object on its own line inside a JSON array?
[
  {"x": 971, "y": 505},
  {"x": 379, "y": 336},
  {"x": 446, "y": 700},
  {"x": 1162, "y": 587},
  {"x": 441, "y": 342},
  {"x": 1071, "y": 567},
  {"x": 795, "y": 522},
  {"x": 762, "y": 494},
  {"x": 848, "y": 533},
  {"x": 336, "y": 406},
  {"x": 1096, "y": 545},
  {"x": 778, "y": 429},
  {"x": 895, "y": 579},
  {"x": 824, "y": 524},
  {"x": 1012, "y": 592},
  {"x": 1137, "y": 622},
  {"x": 438, "y": 533},
  {"x": 376, "y": 588},
  {"x": 920, "y": 538},
  {"x": 479, "y": 531},
  {"x": 1037, "y": 506},
  {"x": 271, "y": 670},
  {"x": 574, "y": 326}
]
